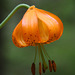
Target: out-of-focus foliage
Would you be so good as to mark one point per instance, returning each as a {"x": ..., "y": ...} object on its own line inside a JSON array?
[{"x": 17, "y": 61}]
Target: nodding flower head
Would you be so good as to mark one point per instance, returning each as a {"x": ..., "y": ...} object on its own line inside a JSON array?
[{"x": 38, "y": 27}]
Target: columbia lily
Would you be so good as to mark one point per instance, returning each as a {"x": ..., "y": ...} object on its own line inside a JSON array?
[{"x": 38, "y": 27}]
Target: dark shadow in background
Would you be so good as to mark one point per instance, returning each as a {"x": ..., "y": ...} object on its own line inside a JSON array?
[{"x": 2, "y": 59}]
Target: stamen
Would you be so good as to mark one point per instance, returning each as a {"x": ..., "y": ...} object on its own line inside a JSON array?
[
  {"x": 43, "y": 69},
  {"x": 39, "y": 53},
  {"x": 35, "y": 53},
  {"x": 50, "y": 65},
  {"x": 33, "y": 68},
  {"x": 42, "y": 56},
  {"x": 40, "y": 71},
  {"x": 45, "y": 52},
  {"x": 54, "y": 65}
]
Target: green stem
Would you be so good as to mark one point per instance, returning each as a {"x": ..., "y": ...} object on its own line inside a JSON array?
[{"x": 12, "y": 13}]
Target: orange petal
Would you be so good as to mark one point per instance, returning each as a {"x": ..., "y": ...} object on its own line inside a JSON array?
[
  {"x": 43, "y": 30},
  {"x": 17, "y": 36},
  {"x": 53, "y": 23},
  {"x": 30, "y": 27}
]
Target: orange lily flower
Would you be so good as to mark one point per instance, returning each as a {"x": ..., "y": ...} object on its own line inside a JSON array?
[{"x": 36, "y": 28}]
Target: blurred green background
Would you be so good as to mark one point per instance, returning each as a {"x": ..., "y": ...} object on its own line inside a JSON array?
[{"x": 17, "y": 61}]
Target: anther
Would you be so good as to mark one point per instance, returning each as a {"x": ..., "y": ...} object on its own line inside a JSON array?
[
  {"x": 43, "y": 69},
  {"x": 54, "y": 65},
  {"x": 50, "y": 65},
  {"x": 33, "y": 68},
  {"x": 40, "y": 71}
]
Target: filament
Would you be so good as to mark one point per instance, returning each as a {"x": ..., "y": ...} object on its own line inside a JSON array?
[
  {"x": 35, "y": 53},
  {"x": 39, "y": 52},
  {"x": 42, "y": 56},
  {"x": 45, "y": 52}
]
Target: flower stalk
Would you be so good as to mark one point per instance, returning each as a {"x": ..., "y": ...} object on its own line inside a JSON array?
[{"x": 12, "y": 13}]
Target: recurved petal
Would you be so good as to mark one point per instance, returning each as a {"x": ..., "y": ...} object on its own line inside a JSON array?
[
  {"x": 30, "y": 27},
  {"x": 53, "y": 23},
  {"x": 17, "y": 36}
]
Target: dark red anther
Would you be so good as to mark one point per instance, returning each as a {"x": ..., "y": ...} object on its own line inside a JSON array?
[
  {"x": 43, "y": 69},
  {"x": 33, "y": 69},
  {"x": 50, "y": 65},
  {"x": 40, "y": 70},
  {"x": 54, "y": 65}
]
